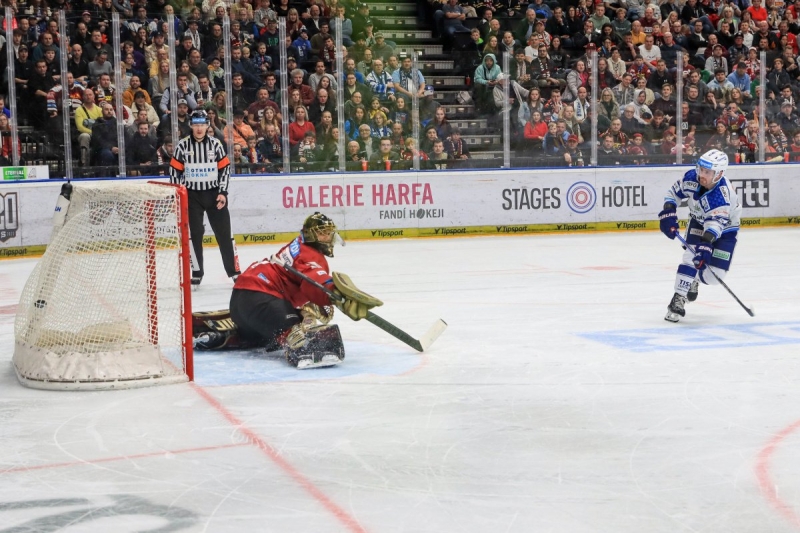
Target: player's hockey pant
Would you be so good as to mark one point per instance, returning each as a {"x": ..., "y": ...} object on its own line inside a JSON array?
[
  {"x": 720, "y": 260},
  {"x": 201, "y": 202},
  {"x": 260, "y": 317}
]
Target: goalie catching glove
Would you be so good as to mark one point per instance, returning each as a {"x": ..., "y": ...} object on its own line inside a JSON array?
[{"x": 352, "y": 301}]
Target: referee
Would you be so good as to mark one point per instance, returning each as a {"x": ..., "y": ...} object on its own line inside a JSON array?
[{"x": 200, "y": 163}]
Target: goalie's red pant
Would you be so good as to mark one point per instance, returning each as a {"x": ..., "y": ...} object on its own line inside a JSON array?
[{"x": 261, "y": 318}]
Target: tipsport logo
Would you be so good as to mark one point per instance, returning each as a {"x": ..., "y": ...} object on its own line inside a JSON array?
[{"x": 581, "y": 197}]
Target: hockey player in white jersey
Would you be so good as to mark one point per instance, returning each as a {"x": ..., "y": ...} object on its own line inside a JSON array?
[{"x": 714, "y": 213}]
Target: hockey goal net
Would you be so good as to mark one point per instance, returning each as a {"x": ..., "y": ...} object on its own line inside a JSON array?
[{"x": 108, "y": 305}]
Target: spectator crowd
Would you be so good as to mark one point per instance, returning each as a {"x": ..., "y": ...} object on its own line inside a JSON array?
[
  {"x": 716, "y": 50},
  {"x": 377, "y": 84},
  {"x": 713, "y": 51}
]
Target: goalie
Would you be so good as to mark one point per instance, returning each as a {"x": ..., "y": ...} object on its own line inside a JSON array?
[{"x": 275, "y": 309}]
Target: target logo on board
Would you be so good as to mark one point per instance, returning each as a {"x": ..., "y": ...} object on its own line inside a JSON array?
[{"x": 581, "y": 197}]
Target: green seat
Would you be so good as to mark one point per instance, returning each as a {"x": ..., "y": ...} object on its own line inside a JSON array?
[{"x": 706, "y": 76}]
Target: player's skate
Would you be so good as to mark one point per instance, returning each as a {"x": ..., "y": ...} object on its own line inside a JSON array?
[
  {"x": 693, "y": 290},
  {"x": 322, "y": 346},
  {"x": 675, "y": 309}
]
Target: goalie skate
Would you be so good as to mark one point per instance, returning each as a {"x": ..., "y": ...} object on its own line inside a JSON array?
[
  {"x": 323, "y": 348},
  {"x": 675, "y": 310},
  {"x": 318, "y": 362},
  {"x": 215, "y": 330}
]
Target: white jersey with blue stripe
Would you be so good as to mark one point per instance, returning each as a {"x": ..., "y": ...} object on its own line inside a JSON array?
[{"x": 717, "y": 209}]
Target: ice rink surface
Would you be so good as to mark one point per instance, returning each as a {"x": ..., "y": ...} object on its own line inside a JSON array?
[{"x": 559, "y": 400}]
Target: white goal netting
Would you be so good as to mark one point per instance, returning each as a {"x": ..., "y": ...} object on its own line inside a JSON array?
[{"x": 105, "y": 307}]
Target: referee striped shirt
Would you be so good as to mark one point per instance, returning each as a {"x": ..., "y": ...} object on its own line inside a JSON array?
[{"x": 200, "y": 165}]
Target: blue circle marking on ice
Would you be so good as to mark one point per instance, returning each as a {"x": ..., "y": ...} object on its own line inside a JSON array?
[
  {"x": 244, "y": 367},
  {"x": 581, "y": 197}
]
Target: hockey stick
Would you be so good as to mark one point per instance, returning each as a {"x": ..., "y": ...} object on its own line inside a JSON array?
[
  {"x": 748, "y": 310},
  {"x": 420, "y": 345}
]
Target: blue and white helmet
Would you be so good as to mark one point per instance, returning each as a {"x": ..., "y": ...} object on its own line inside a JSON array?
[
  {"x": 715, "y": 161},
  {"x": 199, "y": 116}
]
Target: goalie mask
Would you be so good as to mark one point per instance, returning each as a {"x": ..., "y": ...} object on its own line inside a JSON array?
[{"x": 319, "y": 232}]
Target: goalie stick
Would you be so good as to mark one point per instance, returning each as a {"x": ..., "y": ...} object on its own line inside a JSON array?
[
  {"x": 421, "y": 344},
  {"x": 748, "y": 310}
]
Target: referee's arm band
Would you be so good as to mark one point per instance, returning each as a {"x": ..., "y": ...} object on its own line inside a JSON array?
[
  {"x": 222, "y": 163},
  {"x": 177, "y": 165}
]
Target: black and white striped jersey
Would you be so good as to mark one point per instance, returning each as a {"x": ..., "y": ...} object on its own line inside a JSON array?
[{"x": 200, "y": 165}]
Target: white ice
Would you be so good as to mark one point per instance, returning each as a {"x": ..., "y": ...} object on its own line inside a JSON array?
[{"x": 559, "y": 400}]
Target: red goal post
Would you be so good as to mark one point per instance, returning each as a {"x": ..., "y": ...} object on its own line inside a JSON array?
[{"x": 109, "y": 304}]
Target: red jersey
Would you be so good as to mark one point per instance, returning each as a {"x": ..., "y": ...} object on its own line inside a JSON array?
[
  {"x": 794, "y": 152},
  {"x": 54, "y": 98},
  {"x": 257, "y": 109},
  {"x": 759, "y": 14},
  {"x": 639, "y": 71},
  {"x": 648, "y": 26},
  {"x": 263, "y": 276},
  {"x": 734, "y": 123}
]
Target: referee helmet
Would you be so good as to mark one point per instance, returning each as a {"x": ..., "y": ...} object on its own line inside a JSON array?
[{"x": 198, "y": 117}]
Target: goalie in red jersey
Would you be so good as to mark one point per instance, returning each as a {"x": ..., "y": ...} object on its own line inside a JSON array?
[{"x": 273, "y": 308}]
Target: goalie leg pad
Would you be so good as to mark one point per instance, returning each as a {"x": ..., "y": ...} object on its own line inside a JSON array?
[
  {"x": 323, "y": 347},
  {"x": 200, "y": 318},
  {"x": 346, "y": 286}
]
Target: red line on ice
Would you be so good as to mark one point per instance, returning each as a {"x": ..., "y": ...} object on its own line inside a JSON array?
[
  {"x": 348, "y": 521},
  {"x": 765, "y": 481},
  {"x": 118, "y": 458}
]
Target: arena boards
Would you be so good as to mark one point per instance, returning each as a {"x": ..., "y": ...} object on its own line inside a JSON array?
[{"x": 392, "y": 205}]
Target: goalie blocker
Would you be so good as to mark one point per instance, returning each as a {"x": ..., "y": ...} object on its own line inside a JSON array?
[{"x": 275, "y": 309}]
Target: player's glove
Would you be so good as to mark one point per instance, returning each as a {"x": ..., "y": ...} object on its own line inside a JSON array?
[
  {"x": 352, "y": 308},
  {"x": 702, "y": 255},
  {"x": 668, "y": 220}
]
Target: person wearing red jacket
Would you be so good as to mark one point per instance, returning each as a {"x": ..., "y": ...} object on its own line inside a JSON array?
[
  {"x": 276, "y": 309},
  {"x": 756, "y": 11},
  {"x": 535, "y": 130},
  {"x": 301, "y": 125},
  {"x": 6, "y": 158}
]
